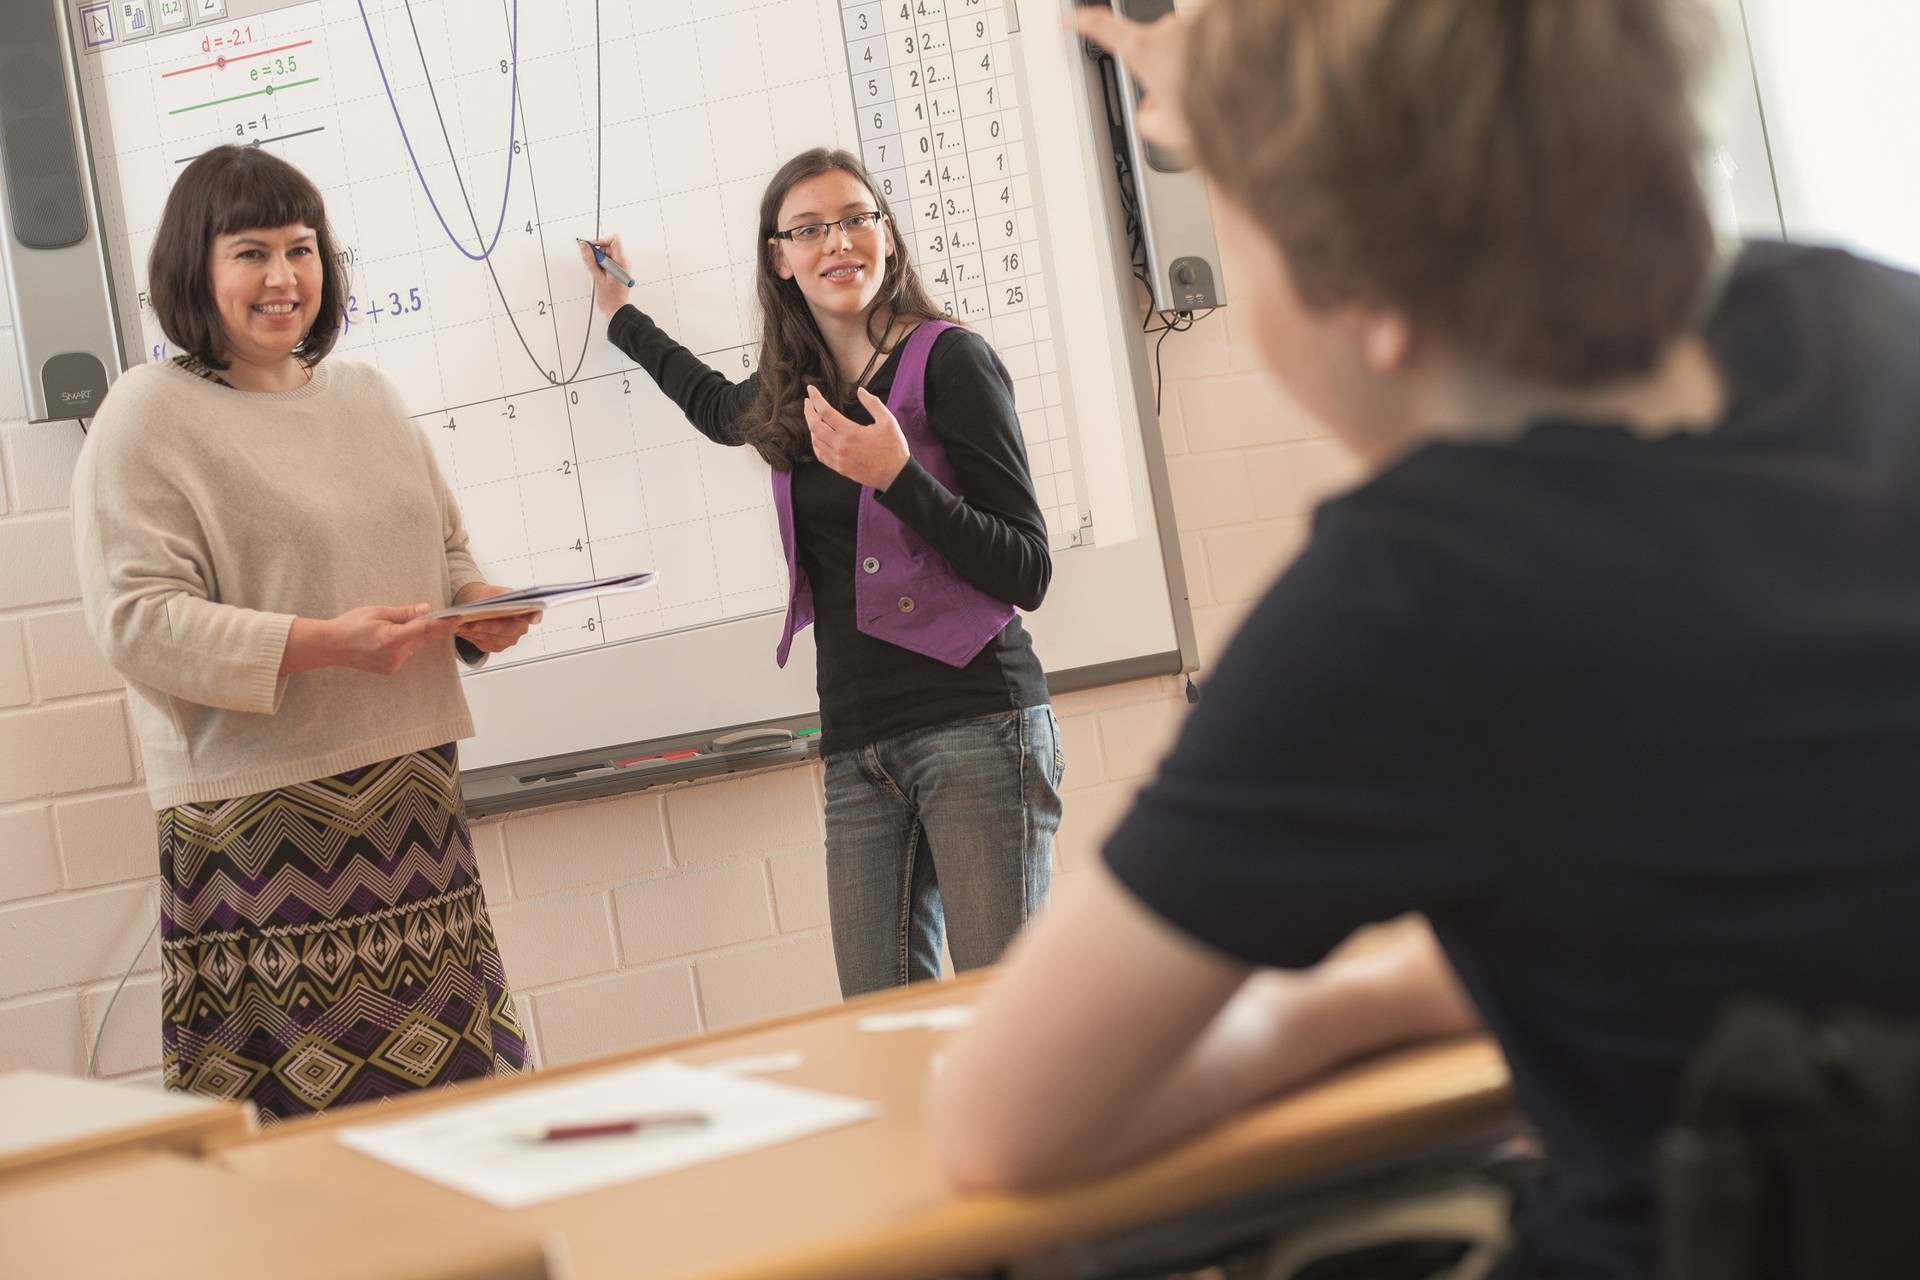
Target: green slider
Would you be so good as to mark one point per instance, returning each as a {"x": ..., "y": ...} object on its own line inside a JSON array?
[
  {"x": 255, "y": 93},
  {"x": 807, "y": 733}
]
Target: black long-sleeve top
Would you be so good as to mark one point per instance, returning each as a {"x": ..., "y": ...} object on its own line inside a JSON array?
[{"x": 994, "y": 536}]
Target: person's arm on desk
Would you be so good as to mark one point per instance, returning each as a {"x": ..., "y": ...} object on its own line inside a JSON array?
[
  {"x": 1112, "y": 1033},
  {"x": 1203, "y": 966}
]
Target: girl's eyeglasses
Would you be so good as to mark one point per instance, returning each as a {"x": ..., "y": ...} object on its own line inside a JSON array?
[{"x": 854, "y": 224}]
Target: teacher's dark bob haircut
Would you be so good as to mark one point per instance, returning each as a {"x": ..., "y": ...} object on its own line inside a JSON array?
[{"x": 225, "y": 190}]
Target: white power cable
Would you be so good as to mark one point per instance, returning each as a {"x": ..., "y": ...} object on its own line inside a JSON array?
[{"x": 93, "y": 1054}]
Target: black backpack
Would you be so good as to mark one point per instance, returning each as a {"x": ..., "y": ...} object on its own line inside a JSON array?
[{"x": 1797, "y": 1152}]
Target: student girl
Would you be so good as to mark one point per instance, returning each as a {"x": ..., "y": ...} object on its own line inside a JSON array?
[
  {"x": 1606, "y": 667},
  {"x": 912, "y": 538}
]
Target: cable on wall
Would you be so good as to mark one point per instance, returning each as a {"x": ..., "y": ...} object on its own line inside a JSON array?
[{"x": 1152, "y": 321}]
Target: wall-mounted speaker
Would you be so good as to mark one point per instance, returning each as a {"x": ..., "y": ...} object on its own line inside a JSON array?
[{"x": 50, "y": 242}]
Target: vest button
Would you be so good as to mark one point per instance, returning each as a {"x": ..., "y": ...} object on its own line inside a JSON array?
[
  {"x": 906, "y": 604},
  {"x": 870, "y": 564}
]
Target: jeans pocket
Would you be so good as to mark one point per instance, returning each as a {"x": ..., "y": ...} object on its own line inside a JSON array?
[{"x": 1059, "y": 749}]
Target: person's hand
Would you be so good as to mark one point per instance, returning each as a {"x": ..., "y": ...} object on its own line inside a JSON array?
[
  {"x": 609, "y": 295},
  {"x": 1156, "y": 54},
  {"x": 491, "y": 635},
  {"x": 870, "y": 455},
  {"x": 382, "y": 638}
]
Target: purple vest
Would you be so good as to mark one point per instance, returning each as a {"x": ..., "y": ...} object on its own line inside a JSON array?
[{"x": 904, "y": 592}]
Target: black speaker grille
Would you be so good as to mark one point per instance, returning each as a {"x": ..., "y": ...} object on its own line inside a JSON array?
[{"x": 37, "y": 156}]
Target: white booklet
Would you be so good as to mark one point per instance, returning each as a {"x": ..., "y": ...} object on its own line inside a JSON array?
[{"x": 533, "y": 599}]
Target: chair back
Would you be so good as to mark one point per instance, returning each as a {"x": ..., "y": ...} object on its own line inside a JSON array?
[{"x": 1796, "y": 1155}]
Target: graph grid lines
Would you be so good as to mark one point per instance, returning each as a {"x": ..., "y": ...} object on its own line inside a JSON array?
[{"x": 657, "y": 122}]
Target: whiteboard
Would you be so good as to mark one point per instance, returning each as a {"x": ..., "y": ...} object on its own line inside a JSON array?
[
  {"x": 1808, "y": 108},
  {"x": 462, "y": 147},
  {"x": 1841, "y": 102}
]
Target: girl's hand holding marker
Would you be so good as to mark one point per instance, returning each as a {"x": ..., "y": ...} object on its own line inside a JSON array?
[{"x": 612, "y": 281}]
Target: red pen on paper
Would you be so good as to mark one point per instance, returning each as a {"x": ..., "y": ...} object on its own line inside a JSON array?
[{"x": 619, "y": 1126}]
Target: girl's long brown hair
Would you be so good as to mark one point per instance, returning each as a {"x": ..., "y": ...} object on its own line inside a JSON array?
[{"x": 793, "y": 352}]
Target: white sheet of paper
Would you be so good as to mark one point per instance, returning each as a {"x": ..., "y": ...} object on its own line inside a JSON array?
[
  {"x": 481, "y": 1149},
  {"x": 948, "y": 1017}
]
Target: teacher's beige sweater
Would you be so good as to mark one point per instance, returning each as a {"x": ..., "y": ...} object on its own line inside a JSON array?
[{"x": 206, "y": 519}]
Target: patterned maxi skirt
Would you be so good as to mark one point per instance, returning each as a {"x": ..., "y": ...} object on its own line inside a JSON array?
[{"x": 328, "y": 942}]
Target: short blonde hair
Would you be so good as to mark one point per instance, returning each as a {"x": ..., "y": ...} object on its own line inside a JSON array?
[{"x": 1518, "y": 176}]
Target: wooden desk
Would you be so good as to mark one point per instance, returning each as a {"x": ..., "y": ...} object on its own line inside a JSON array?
[
  {"x": 50, "y": 1120},
  {"x": 865, "y": 1201},
  {"x": 164, "y": 1217}
]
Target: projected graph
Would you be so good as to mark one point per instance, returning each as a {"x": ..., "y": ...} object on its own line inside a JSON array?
[{"x": 463, "y": 147}]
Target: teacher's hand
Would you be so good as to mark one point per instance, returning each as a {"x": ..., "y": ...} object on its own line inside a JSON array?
[
  {"x": 491, "y": 635},
  {"x": 376, "y": 638},
  {"x": 870, "y": 455}
]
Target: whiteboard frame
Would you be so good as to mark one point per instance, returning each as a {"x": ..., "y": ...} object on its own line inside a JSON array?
[{"x": 1740, "y": 182}]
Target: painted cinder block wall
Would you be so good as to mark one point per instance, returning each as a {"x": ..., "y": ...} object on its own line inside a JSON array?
[{"x": 622, "y": 921}]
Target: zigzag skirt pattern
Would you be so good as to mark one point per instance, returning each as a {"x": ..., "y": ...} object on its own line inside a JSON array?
[{"x": 327, "y": 943}]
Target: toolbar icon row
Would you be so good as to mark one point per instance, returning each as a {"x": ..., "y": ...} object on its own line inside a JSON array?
[{"x": 119, "y": 21}]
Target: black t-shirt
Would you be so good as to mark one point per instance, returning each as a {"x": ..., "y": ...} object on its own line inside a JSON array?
[
  {"x": 994, "y": 536},
  {"x": 1635, "y": 721}
]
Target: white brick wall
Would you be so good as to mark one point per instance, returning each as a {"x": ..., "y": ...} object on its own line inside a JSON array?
[
  {"x": 597, "y": 844},
  {"x": 40, "y": 459},
  {"x": 43, "y": 1034},
  {"x": 551, "y": 940},
  {"x": 623, "y": 921},
  {"x": 131, "y": 1042},
  {"x": 15, "y": 689},
  {"x": 77, "y": 866},
  {"x": 696, "y": 911},
  {"x": 759, "y": 983},
  {"x": 107, "y": 839},
  {"x": 37, "y": 552},
  {"x": 74, "y": 938},
  {"x": 64, "y": 659},
  {"x": 29, "y": 867},
  {"x": 609, "y": 1013},
  {"x": 70, "y": 746}
]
